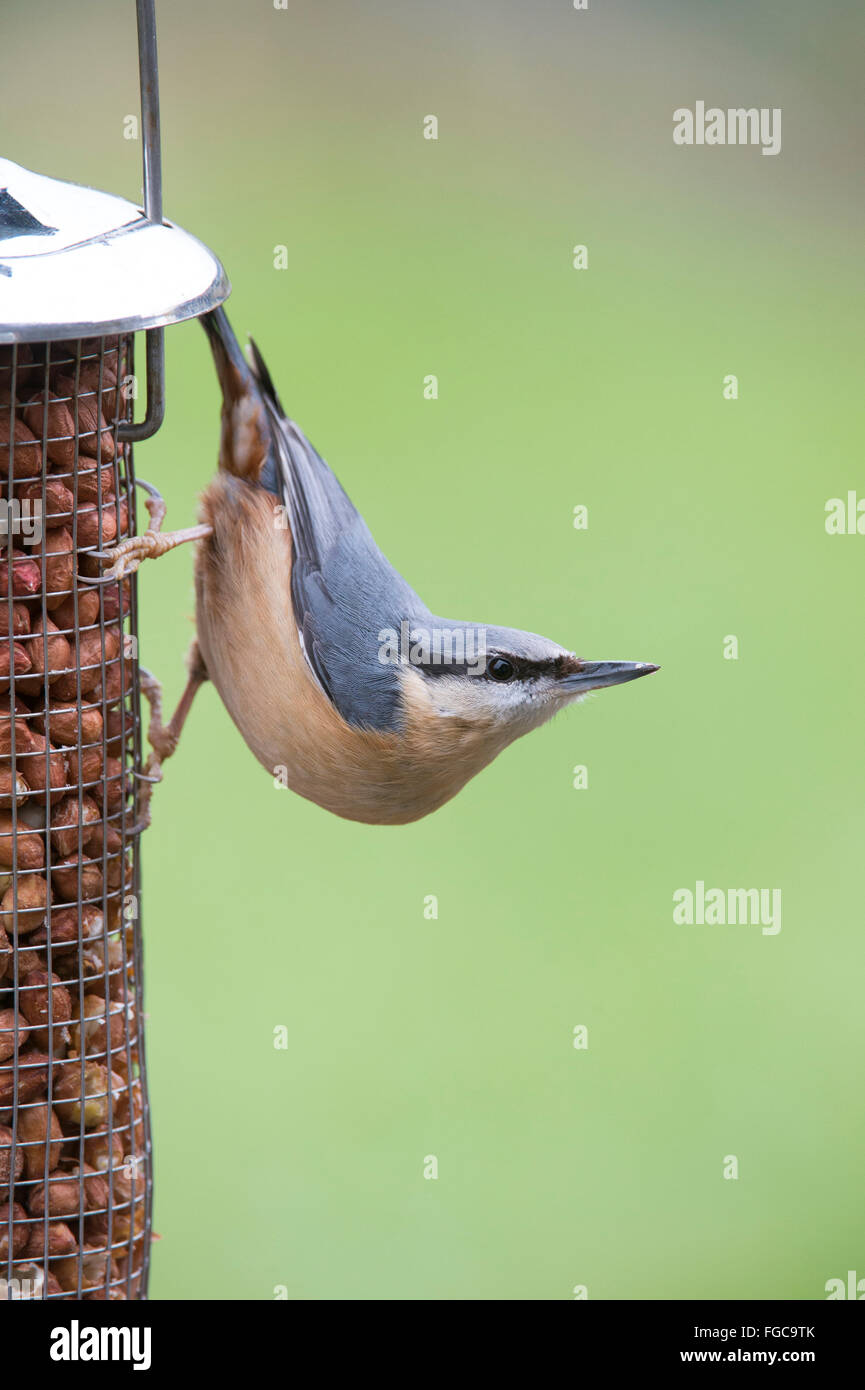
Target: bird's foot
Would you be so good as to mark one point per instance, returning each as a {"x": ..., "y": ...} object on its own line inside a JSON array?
[
  {"x": 147, "y": 780},
  {"x": 161, "y": 737},
  {"x": 125, "y": 558},
  {"x": 128, "y": 555},
  {"x": 164, "y": 738},
  {"x": 151, "y": 773}
]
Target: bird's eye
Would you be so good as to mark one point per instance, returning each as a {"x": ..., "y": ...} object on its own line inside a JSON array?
[{"x": 500, "y": 669}]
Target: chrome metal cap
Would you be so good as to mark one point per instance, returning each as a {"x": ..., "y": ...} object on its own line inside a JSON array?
[{"x": 76, "y": 263}]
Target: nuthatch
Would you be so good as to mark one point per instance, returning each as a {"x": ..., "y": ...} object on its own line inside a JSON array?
[{"x": 340, "y": 679}]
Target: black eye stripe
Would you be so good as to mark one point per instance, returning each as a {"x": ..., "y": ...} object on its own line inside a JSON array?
[
  {"x": 526, "y": 670},
  {"x": 523, "y": 669}
]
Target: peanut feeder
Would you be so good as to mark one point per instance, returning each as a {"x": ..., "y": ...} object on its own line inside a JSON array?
[{"x": 81, "y": 273}]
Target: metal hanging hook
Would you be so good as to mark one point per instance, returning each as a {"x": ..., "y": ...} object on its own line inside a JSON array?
[{"x": 148, "y": 79}]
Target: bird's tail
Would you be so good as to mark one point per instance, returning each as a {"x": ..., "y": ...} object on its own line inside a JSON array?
[
  {"x": 262, "y": 445},
  {"x": 246, "y": 434},
  {"x": 264, "y": 379},
  {"x": 232, "y": 368}
]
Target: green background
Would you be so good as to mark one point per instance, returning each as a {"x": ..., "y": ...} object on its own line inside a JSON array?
[{"x": 303, "y": 1167}]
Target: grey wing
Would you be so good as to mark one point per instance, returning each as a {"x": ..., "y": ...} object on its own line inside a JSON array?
[{"x": 343, "y": 590}]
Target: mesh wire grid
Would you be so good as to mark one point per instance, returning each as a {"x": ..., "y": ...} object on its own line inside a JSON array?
[{"x": 75, "y": 1152}]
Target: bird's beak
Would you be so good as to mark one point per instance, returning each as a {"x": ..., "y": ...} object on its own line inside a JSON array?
[{"x": 596, "y": 675}]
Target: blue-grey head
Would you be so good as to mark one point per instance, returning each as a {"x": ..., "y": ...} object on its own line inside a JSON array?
[{"x": 503, "y": 680}]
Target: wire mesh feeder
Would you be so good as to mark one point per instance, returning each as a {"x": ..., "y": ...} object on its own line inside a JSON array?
[
  {"x": 80, "y": 273},
  {"x": 75, "y": 1141}
]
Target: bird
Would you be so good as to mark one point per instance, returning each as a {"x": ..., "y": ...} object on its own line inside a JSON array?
[{"x": 340, "y": 679}]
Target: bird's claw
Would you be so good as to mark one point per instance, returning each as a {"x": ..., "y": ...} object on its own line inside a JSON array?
[
  {"x": 125, "y": 557},
  {"x": 128, "y": 555},
  {"x": 148, "y": 777},
  {"x": 164, "y": 743}
]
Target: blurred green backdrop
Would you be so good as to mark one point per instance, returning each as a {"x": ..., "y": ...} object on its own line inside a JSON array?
[{"x": 408, "y": 1037}]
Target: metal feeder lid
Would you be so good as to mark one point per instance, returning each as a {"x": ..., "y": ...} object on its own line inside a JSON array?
[{"x": 77, "y": 263}]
